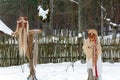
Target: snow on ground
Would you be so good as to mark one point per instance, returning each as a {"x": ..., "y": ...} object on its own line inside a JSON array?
[{"x": 57, "y": 71}]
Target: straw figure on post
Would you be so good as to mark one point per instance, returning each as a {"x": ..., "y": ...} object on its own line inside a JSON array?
[
  {"x": 93, "y": 51},
  {"x": 25, "y": 39}
]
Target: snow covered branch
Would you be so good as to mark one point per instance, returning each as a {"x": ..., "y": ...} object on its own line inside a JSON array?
[
  {"x": 114, "y": 24},
  {"x": 107, "y": 19},
  {"x": 101, "y": 6},
  {"x": 74, "y": 1}
]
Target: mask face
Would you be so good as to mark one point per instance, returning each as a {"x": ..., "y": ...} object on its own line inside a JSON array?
[
  {"x": 22, "y": 22},
  {"x": 92, "y": 36}
]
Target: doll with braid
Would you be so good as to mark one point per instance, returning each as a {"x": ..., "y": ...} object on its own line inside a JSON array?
[{"x": 93, "y": 51}]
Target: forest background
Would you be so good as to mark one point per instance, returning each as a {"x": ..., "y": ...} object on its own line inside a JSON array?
[{"x": 76, "y": 15}]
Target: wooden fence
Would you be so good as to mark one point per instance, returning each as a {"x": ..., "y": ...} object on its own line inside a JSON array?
[
  {"x": 111, "y": 49},
  {"x": 54, "y": 49}
]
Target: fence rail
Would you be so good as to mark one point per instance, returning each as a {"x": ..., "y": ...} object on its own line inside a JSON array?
[{"x": 64, "y": 50}]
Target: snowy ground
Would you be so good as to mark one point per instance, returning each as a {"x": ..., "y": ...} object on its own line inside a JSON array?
[{"x": 57, "y": 71}]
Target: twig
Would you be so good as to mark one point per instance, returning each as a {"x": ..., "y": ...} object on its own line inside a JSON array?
[{"x": 72, "y": 65}]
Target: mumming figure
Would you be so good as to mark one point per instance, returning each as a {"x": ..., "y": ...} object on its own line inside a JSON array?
[
  {"x": 93, "y": 51},
  {"x": 25, "y": 39}
]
